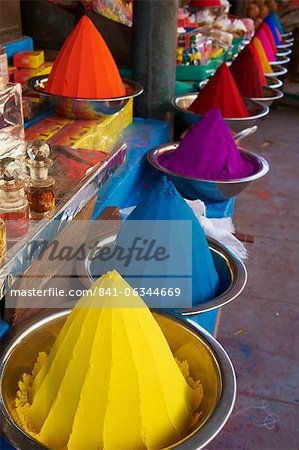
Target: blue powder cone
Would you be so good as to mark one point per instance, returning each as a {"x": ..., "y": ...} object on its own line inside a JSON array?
[
  {"x": 274, "y": 17},
  {"x": 272, "y": 27},
  {"x": 164, "y": 203}
]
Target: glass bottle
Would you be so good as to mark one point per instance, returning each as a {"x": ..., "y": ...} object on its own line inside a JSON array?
[
  {"x": 3, "y": 67},
  {"x": 2, "y": 240},
  {"x": 14, "y": 209},
  {"x": 40, "y": 188}
]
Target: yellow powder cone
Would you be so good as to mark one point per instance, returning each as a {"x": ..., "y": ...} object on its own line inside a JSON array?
[
  {"x": 110, "y": 381},
  {"x": 262, "y": 54}
]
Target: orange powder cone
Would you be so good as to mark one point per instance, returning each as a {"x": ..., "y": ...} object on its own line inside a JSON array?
[
  {"x": 258, "y": 63},
  {"x": 220, "y": 92},
  {"x": 84, "y": 67},
  {"x": 263, "y": 57}
]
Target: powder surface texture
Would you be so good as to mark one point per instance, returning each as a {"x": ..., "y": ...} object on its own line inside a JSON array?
[
  {"x": 164, "y": 203},
  {"x": 274, "y": 17},
  {"x": 262, "y": 54},
  {"x": 220, "y": 92},
  {"x": 110, "y": 380},
  {"x": 274, "y": 30},
  {"x": 208, "y": 151},
  {"x": 258, "y": 63},
  {"x": 246, "y": 74},
  {"x": 263, "y": 37},
  {"x": 84, "y": 67},
  {"x": 269, "y": 33}
]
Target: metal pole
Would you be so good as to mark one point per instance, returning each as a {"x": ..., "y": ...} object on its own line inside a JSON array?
[{"x": 154, "y": 56}]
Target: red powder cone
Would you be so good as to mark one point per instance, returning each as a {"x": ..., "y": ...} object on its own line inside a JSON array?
[
  {"x": 246, "y": 75},
  {"x": 270, "y": 36},
  {"x": 263, "y": 37},
  {"x": 84, "y": 67},
  {"x": 258, "y": 63},
  {"x": 220, "y": 92}
]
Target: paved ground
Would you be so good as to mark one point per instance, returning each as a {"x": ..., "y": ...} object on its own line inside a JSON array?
[{"x": 261, "y": 329}]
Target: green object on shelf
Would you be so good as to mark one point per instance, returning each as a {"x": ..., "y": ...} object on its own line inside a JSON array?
[
  {"x": 184, "y": 88},
  {"x": 196, "y": 73}
]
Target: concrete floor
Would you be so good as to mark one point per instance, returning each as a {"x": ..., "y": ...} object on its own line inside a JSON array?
[{"x": 260, "y": 331}]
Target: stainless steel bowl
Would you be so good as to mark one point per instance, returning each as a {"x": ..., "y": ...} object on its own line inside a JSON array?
[
  {"x": 287, "y": 35},
  {"x": 82, "y": 108},
  {"x": 280, "y": 61},
  {"x": 284, "y": 45},
  {"x": 287, "y": 40},
  {"x": 277, "y": 71},
  {"x": 207, "y": 359},
  {"x": 230, "y": 268},
  {"x": 257, "y": 110},
  {"x": 270, "y": 94},
  {"x": 286, "y": 52},
  {"x": 274, "y": 83},
  {"x": 208, "y": 191}
]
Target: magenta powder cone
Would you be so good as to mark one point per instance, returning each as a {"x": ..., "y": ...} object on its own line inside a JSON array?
[
  {"x": 209, "y": 152},
  {"x": 262, "y": 35}
]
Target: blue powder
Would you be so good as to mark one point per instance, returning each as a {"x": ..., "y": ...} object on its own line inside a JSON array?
[
  {"x": 165, "y": 203},
  {"x": 274, "y": 17},
  {"x": 272, "y": 27}
]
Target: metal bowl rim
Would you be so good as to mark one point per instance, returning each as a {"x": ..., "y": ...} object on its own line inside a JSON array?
[
  {"x": 138, "y": 89},
  {"x": 262, "y": 162},
  {"x": 280, "y": 61},
  {"x": 232, "y": 260},
  {"x": 286, "y": 45},
  {"x": 277, "y": 83},
  {"x": 279, "y": 94},
  {"x": 264, "y": 112},
  {"x": 220, "y": 414},
  {"x": 286, "y": 52},
  {"x": 277, "y": 71}
]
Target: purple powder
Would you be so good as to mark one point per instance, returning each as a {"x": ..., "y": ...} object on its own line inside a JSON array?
[{"x": 209, "y": 152}]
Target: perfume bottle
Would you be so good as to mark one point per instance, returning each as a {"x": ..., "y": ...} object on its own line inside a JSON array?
[
  {"x": 14, "y": 209},
  {"x": 39, "y": 187},
  {"x": 2, "y": 240}
]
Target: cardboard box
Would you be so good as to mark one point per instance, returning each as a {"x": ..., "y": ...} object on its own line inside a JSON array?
[{"x": 29, "y": 59}]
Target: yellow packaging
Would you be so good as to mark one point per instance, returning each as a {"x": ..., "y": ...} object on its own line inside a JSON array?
[{"x": 29, "y": 59}]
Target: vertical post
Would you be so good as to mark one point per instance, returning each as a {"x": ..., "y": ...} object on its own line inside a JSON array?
[
  {"x": 154, "y": 56},
  {"x": 238, "y": 7}
]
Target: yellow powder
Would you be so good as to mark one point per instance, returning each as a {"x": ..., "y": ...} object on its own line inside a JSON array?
[
  {"x": 262, "y": 54},
  {"x": 110, "y": 381}
]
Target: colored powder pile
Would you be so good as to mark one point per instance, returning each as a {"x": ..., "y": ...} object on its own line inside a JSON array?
[
  {"x": 263, "y": 37},
  {"x": 220, "y": 92},
  {"x": 268, "y": 31},
  {"x": 110, "y": 380},
  {"x": 274, "y": 30},
  {"x": 84, "y": 67},
  {"x": 258, "y": 63},
  {"x": 209, "y": 152},
  {"x": 275, "y": 19},
  {"x": 262, "y": 54},
  {"x": 164, "y": 203},
  {"x": 246, "y": 74}
]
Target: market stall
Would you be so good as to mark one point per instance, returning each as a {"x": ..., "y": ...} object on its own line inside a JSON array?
[{"x": 88, "y": 161}]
